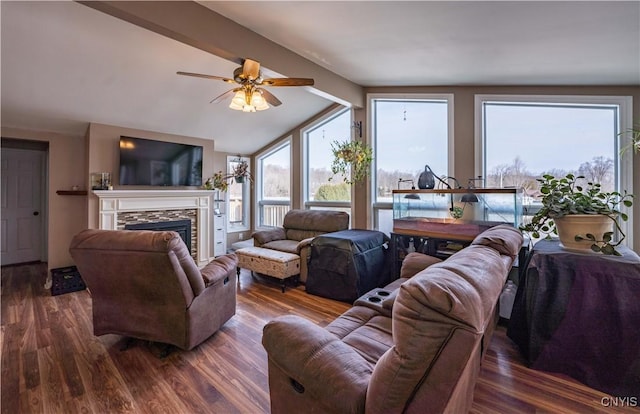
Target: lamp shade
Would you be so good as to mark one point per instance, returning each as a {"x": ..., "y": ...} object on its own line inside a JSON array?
[
  {"x": 426, "y": 180},
  {"x": 258, "y": 101},
  {"x": 469, "y": 198}
]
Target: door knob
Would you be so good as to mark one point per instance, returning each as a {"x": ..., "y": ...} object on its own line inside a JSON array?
[{"x": 36, "y": 213}]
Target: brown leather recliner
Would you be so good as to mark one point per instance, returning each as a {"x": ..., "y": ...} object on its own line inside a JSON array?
[
  {"x": 414, "y": 350},
  {"x": 298, "y": 230},
  {"x": 146, "y": 285}
]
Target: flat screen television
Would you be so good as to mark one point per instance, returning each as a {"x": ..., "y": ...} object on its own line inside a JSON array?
[{"x": 159, "y": 163}]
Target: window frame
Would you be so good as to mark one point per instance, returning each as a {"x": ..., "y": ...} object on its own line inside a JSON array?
[
  {"x": 260, "y": 180},
  {"x": 623, "y": 164},
  {"x": 371, "y": 139},
  {"x": 304, "y": 165},
  {"x": 235, "y": 227}
]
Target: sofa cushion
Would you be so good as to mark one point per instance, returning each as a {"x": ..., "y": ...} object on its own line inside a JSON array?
[
  {"x": 324, "y": 221},
  {"x": 288, "y": 246},
  {"x": 265, "y": 236},
  {"x": 299, "y": 234},
  {"x": 365, "y": 330},
  {"x": 504, "y": 238},
  {"x": 415, "y": 262}
]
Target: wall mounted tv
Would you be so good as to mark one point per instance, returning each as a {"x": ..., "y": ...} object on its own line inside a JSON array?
[{"x": 158, "y": 163}]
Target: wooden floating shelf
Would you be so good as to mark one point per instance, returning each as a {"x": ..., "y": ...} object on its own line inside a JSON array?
[{"x": 72, "y": 193}]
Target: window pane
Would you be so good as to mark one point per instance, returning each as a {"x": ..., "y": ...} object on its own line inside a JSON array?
[
  {"x": 235, "y": 191},
  {"x": 238, "y": 193},
  {"x": 526, "y": 138},
  {"x": 274, "y": 196},
  {"x": 523, "y": 141},
  {"x": 276, "y": 174},
  {"x": 409, "y": 134},
  {"x": 320, "y": 157}
]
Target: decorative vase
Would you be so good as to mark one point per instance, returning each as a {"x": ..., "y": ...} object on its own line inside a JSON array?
[{"x": 581, "y": 224}]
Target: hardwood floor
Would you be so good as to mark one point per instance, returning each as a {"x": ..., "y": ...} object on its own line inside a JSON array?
[{"x": 52, "y": 363}]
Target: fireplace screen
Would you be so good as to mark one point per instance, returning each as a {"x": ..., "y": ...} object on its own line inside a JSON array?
[{"x": 182, "y": 227}]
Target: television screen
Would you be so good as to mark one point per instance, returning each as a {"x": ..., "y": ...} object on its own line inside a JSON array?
[{"x": 158, "y": 163}]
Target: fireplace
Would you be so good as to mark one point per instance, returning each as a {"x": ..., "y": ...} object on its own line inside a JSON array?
[
  {"x": 119, "y": 208},
  {"x": 182, "y": 227}
]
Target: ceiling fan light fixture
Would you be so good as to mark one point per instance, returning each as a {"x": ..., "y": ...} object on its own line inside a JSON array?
[
  {"x": 249, "y": 96},
  {"x": 256, "y": 101}
]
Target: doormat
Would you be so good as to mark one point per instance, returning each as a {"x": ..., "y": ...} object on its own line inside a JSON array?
[{"x": 65, "y": 280}]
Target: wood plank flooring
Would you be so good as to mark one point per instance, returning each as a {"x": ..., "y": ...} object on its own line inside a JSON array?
[{"x": 52, "y": 363}]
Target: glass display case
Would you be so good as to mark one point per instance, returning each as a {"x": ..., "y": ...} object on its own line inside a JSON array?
[{"x": 440, "y": 222}]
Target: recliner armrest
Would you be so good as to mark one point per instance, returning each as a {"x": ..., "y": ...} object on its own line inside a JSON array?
[
  {"x": 328, "y": 369},
  {"x": 265, "y": 236},
  {"x": 304, "y": 243},
  {"x": 218, "y": 269}
]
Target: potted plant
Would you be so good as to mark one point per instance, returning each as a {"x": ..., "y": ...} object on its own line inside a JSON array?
[
  {"x": 241, "y": 171},
  {"x": 217, "y": 182},
  {"x": 564, "y": 202},
  {"x": 352, "y": 159}
]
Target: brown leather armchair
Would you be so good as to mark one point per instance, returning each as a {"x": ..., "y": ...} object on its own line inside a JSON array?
[
  {"x": 298, "y": 229},
  {"x": 145, "y": 284}
]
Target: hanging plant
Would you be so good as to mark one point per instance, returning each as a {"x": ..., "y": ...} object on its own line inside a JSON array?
[
  {"x": 352, "y": 159},
  {"x": 241, "y": 171},
  {"x": 634, "y": 137}
]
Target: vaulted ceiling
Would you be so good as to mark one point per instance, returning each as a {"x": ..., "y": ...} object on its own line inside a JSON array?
[{"x": 66, "y": 64}]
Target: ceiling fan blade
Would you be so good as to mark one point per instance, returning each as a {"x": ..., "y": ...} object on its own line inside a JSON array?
[
  {"x": 269, "y": 97},
  {"x": 251, "y": 69},
  {"x": 288, "y": 82},
  {"x": 225, "y": 95},
  {"x": 199, "y": 75}
]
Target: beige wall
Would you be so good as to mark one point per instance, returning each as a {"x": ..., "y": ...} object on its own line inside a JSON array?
[
  {"x": 70, "y": 161},
  {"x": 66, "y": 215},
  {"x": 103, "y": 156}
]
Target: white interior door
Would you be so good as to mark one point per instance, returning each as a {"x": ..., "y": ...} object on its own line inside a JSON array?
[{"x": 21, "y": 217}]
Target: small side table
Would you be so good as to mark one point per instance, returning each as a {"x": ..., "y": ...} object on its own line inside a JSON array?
[{"x": 579, "y": 314}]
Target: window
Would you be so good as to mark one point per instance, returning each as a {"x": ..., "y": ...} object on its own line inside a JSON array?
[
  {"x": 238, "y": 199},
  {"x": 408, "y": 132},
  {"x": 520, "y": 138},
  {"x": 322, "y": 189},
  {"x": 273, "y": 182}
]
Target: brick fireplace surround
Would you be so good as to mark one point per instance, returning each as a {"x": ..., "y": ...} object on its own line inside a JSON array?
[{"x": 120, "y": 207}]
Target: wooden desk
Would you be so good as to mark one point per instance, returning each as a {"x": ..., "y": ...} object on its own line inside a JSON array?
[{"x": 579, "y": 314}]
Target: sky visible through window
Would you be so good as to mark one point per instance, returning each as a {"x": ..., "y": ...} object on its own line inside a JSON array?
[
  {"x": 548, "y": 137},
  {"x": 410, "y": 134}
]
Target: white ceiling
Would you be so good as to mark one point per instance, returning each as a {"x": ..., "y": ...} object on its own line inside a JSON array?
[
  {"x": 455, "y": 42},
  {"x": 65, "y": 65}
]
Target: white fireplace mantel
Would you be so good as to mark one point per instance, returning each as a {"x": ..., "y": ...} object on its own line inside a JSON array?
[{"x": 112, "y": 202}]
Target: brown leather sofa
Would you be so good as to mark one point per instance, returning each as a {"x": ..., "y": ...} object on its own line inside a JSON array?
[
  {"x": 416, "y": 348},
  {"x": 146, "y": 285},
  {"x": 298, "y": 229}
]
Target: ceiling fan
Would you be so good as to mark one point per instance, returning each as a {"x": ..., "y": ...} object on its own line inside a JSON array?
[{"x": 250, "y": 96}]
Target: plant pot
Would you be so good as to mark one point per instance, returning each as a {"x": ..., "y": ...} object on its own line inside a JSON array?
[
  {"x": 581, "y": 224},
  {"x": 239, "y": 179}
]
